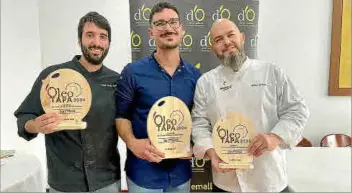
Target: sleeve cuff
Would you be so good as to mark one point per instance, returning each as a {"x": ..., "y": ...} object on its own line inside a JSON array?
[
  {"x": 21, "y": 121},
  {"x": 290, "y": 137},
  {"x": 200, "y": 149},
  {"x": 122, "y": 116}
]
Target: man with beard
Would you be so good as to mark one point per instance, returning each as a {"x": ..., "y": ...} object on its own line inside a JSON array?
[
  {"x": 263, "y": 93},
  {"x": 80, "y": 160},
  {"x": 143, "y": 82}
]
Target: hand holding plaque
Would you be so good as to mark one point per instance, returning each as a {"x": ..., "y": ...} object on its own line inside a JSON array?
[
  {"x": 231, "y": 136},
  {"x": 169, "y": 127},
  {"x": 66, "y": 92}
]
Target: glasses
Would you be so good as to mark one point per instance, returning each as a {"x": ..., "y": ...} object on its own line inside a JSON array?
[{"x": 162, "y": 24}]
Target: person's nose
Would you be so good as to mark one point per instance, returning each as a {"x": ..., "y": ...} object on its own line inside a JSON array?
[{"x": 227, "y": 41}]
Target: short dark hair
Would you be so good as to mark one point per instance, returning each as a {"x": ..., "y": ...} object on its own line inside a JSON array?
[
  {"x": 160, "y": 7},
  {"x": 97, "y": 19}
]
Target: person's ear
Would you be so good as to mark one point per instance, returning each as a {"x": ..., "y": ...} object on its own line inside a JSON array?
[
  {"x": 243, "y": 37},
  {"x": 151, "y": 34}
]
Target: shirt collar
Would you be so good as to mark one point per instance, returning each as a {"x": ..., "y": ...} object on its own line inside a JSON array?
[
  {"x": 75, "y": 60},
  {"x": 152, "y": 57}
]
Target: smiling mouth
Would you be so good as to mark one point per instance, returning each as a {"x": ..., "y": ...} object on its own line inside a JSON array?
[
  {"x": 95, "y": 51},
  {"x": 167, "y": 35},
  {"x": 231, "y": 49}
]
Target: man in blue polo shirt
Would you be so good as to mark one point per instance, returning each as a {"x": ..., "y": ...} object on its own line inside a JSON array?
[{"x": 142, "y": 83}]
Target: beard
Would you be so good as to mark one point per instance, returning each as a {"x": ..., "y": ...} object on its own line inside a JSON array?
[
  {"x": 234, "y": 61},
  {"x": 169, "y": 46},
  {"x": 93, "y": 59}
]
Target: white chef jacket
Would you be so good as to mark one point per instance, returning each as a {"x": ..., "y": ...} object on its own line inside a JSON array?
[{"x": 264, "y": 94}]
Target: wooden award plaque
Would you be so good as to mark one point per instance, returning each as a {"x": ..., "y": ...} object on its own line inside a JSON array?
[
  {"x": 66, "y": 92},
  {"x": 169, "y": 127},
  {"x": 231, "y": 137}
]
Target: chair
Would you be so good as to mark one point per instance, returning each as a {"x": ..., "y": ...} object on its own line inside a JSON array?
[
  {"x": 335, "y": 140},
  {"x": 304, "y": 143}
]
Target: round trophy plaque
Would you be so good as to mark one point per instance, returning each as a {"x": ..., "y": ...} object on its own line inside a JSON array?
[
  {"x": 231, "y": 136},
  {"x": 169, "y": 127},
  {"x": 66, "y": 92}
]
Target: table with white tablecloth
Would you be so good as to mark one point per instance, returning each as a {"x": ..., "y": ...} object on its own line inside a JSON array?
[
  {"x": 22, "y": 173},
  {"x": 310, "y": 169},
  {"x": 319, "y": 169}
]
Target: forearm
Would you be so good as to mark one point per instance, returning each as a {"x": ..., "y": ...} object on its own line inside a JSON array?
[
  {"x": 124, "y": 130},
  {"x": 210, "y": 153},
  {"x": 201, "y": 136},
  {"x": 292, "y": 112},
  {"x": 29, "y": 126}
]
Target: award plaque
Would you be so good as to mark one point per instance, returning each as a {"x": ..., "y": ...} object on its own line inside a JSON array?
[
  {"x": 66, "y": 92},
  {"x": 231, "y": 136},
  {"x": 169, "y": 127}
]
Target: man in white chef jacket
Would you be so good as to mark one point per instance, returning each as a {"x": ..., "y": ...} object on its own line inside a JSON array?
[{"x": 264, "y": 93}]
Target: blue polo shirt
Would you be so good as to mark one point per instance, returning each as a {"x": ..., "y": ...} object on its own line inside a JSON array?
[{"x": 141, "y": 84}]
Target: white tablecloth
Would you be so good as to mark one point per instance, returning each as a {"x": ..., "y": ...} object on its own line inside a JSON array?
[
  {"x": 22, "y": 173},
  {"x": 319, "y": 169}
]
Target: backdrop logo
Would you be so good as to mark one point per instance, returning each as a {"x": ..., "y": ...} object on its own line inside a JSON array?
[
  {"x": 197, "y": 65},
  {"x": 142, "y": 15},
  {"x": 186, "y": 44},
  {"x": 136, "y": 41},
  {"x": 247, "y": 16},
  {"x": 187, "y": 40},
  {"x": 205, "y": 42},
  {"x": 195, "y": 15},
  {"x": 253, "y": 42},
  {"x": 220, "y": 13},
  {"x": 152, "y": 45},
  {"x": 198, "y": 163}
]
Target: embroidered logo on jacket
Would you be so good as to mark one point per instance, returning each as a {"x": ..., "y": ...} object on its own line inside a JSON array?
[
  {"x": 225, "y": 87},
  {"x": 111, "y": 85},
  {"x": 258, "y": 84}
]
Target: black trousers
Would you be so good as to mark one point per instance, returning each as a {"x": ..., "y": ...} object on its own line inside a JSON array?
[{"x": 217, "y": 189}]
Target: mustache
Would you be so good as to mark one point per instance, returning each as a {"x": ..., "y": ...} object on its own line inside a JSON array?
[
  {"x": 232, "y": 46},
  {"x": 168, "y": 33}
]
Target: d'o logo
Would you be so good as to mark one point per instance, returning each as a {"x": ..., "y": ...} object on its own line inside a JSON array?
[
  {"x": 222, "y": 12},
  {"x": 206, "y": 40},
  {"x": 143, "y": 13},
  {"x": 198, "y": 163},
  {"x": 136, "y": 39},
  {"x": 247, "y": 14},
  {"x": 187, "y": 40},
  {"x": 197, "y": 14}
]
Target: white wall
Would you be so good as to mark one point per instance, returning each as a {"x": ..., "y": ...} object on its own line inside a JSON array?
[
  {"x": 296, "y": 35},
  {"x": 58, "y": 21},
  {"x": 20, "y": 65}
]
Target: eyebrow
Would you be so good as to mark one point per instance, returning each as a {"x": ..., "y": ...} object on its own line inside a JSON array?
[
  {"x": 167, "y": 20},
  {"x": 92, "y": 32},
  {"x": 99, "y": 34}
]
